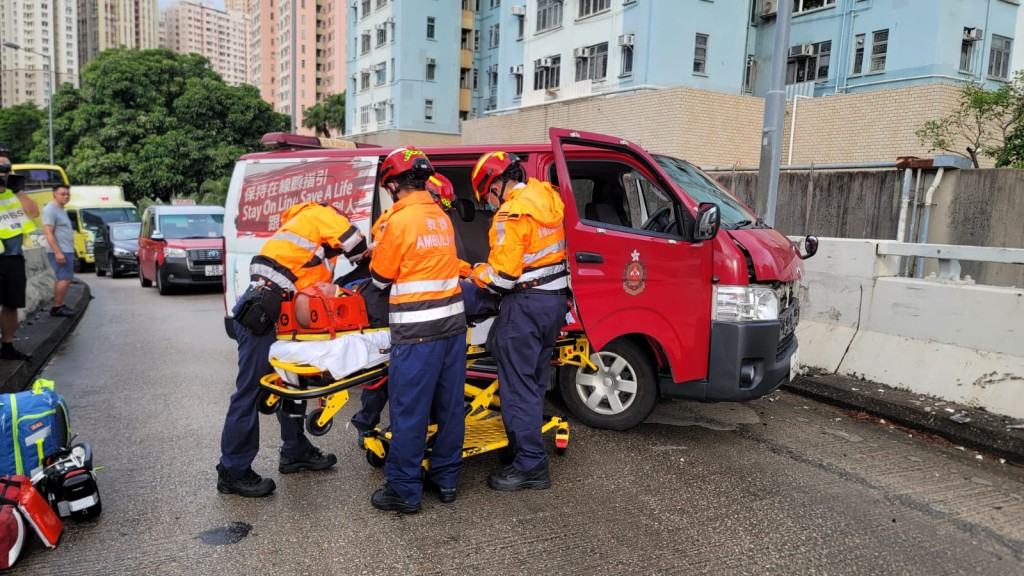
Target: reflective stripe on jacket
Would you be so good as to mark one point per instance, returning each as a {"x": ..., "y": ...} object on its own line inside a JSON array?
[
  {"x": 527, "y": 242},
  {"x": 415, "y": 256},
  {"x": 302, "y": 252},
  {"x": 13, "y": 221}
]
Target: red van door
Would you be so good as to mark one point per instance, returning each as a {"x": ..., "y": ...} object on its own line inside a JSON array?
[{"x": 633, "y": 267}]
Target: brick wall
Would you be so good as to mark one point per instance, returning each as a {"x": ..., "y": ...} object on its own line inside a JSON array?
[{"x": 715, "y": 129}]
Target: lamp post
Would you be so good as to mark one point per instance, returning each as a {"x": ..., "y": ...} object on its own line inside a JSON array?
[{"x": 49, "y": 84}]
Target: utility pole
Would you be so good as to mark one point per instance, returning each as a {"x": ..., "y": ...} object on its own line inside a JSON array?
[{"x": 774, "y": 119}]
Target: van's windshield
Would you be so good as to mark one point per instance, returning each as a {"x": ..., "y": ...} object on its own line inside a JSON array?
[
  {"x": 178, "y": 226},
  {"x": 703, "y": 188},
  {"x": 41, "y": 178},
  {"x": 93, "y": 218}
]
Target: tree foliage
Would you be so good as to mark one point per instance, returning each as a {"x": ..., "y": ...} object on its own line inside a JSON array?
[
  {"x": 19, "y": 126},
  {"x": 326, "y": 116},
  {"x": 986, "y": 122},
  {"x": 157, "y": 123}
]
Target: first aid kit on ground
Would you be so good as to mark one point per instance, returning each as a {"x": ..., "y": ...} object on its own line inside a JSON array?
[{"x": 33, "y": 425}]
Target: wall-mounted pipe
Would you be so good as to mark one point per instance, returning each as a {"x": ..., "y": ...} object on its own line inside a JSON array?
[
  {"x": 792, "y": 127},
  {"x": 919, "y": 262},
  {"x": 901, "y": 228},
  {"x": 912, "y": 232}
]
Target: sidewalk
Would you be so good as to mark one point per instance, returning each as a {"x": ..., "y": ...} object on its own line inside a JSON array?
[
  {"x": 962, "y": 425},
  {"x": 40, "y": 335}
]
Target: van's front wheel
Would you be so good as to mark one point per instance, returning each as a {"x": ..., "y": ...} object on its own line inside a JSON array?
[{"x": 619, "y": 395}]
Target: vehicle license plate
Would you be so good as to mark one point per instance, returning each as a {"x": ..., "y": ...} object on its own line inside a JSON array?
[{"x": 217, "y": 270}]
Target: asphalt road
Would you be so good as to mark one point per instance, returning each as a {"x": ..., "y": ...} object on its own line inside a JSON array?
[{"x": 782, "y": 485}]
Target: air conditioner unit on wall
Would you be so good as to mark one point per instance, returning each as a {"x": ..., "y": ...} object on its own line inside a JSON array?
[
  {"x": 431, "y": 61},
  {"x": 519, "y": 10},
  {"x": 544, "y": 63},
  {"x": 801, "y": 50},
  {"x": 516, "y": 69},
  {"x": 626, "y": 40},
  {"x": 972, "y": 34},
  {"x": 584, "y": 52},
  {"x": 769, "y": 8}
]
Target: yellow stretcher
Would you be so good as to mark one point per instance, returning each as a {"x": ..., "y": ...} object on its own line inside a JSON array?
[{"x": 485, "y": 431}]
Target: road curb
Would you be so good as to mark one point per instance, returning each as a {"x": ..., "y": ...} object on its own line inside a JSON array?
[
  {"x": 983, "y": 431},
  {"x": 41, "y": 335}
]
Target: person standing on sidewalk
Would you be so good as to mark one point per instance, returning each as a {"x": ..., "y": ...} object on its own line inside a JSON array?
[
  {"x": 16, "y": 212},
  {"x": 60, "y": 248},
  {"x": 527, "y": 266},
  {"x": 301, "y": 253}
]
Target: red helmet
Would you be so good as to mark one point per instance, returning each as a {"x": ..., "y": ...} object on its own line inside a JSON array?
[
  {"x": 403, "y": 160},
  {"x": 488, "y": 168},
  {"x": 442, "y": 191}
]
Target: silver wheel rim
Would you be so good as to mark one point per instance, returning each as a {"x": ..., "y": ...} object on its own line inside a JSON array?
[{"x": 610, "y": 390}]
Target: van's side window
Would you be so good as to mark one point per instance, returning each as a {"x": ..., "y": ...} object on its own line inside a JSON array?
[
  {"x": 73, "y": 216},
  {"x": 616, "y": 194}
]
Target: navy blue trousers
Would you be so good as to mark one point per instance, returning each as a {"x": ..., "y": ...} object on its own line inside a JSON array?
[
  {"x": 528, "y": 327},
  {"x": 423, "y": 376},
  {"x": 240, "y": 440}
]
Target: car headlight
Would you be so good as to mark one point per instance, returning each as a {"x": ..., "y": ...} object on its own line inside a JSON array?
[
  {"x": 745, "y": 304},
  {"x": 120, "y": 253},
  {"x": 174, "y": 252}
]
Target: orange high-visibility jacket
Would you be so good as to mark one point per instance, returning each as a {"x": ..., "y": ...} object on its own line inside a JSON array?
[
  {"x": 303, "y": 251},
  {"x": 415, "y": 256},
  {"x": 527, "y": 242}
]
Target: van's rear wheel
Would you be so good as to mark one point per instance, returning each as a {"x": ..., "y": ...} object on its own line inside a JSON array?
[{"x": 619, "y": 395}]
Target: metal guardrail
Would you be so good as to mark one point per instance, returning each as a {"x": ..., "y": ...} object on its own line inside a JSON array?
[{"x": 950, "y": 255}]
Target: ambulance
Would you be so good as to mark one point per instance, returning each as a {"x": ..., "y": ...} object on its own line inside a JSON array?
[{"x": 678, "y": 288}]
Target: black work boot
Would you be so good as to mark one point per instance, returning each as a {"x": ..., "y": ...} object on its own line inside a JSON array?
[
  {"x": 313, "y": 460},
  {"x": 445, "y": 495},
  {"x": 509, "y": 478},
  {"x": 250, "y": 484},
  {"x": 388, "y": 500}
]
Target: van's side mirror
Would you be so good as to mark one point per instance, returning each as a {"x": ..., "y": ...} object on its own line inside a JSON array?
[
  {"x": 709, "y": 220},
  {"x": 466, "y": 210},
  {"x": 810, "y": 247},
  {"x": 156, "y": 235}
]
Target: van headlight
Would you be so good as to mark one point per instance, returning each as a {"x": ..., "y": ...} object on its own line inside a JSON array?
[
  {"x": 174, "y": 252},
  {"x": 745, "y": 304}
]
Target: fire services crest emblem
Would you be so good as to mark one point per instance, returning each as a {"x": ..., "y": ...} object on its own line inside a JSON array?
[{"x": 634, "y": 276}]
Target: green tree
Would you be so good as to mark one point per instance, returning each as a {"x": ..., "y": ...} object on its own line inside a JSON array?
[
  {"x": 981, "y": 124},
  {"x": 157, "y": 123},
  {"x": 19, "y": 126},
  {"x": 326, "y": 116}
]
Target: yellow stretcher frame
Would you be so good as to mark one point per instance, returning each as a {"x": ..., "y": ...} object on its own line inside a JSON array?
[{"x": 485, "y": 431}]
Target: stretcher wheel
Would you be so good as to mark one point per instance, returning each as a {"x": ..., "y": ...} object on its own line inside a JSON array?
[
  {"x": 311, "y": 423},
  {"x": 262, "y": 399},
  {"x": 377, "y": 461}
]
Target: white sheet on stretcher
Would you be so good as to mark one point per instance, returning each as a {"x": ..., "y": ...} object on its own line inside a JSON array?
[{"x": 342, "y": 356}]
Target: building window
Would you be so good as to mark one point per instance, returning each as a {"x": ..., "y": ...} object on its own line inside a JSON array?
[
  {"x": 382, "y": 34},
  {"x": 627, "y": 61},
  {"x": 382, "y": 73},
  {"x": 495, "y": 4},
  {"x": 364, "y": 81},
  {"x": 546, "y": 72},
  {"x": 382, "y": 3},
  {"x": 592, "y": 62},
  {"x": 365, "y": 43},
  {"x": 380, "y": 111},
  {"x": 805, "y": 5},
  {"x": 700, "y": 54},
  {"x": 428, "y": 109},
  {"x": 392, "y": 70},
  {"x": 366, "y": 8},
  {"x": 879, "y": 48},
  {"x": 476, "y": 40},
  {"x": 808, "y": 62},
  {"x": 999, "y": 57},
  {"x": 750, "y": 74},
  {"x": 520, "y": 27},
  {"x": 431, "y": 69},
  {"x": 493, "y": 36},
  {"x": 858, "y": 54},
  {"x": 967, "y": 49},
  {"x": 588, "y": 7},
  {"x": 549, "y": 14},
  {"x": 476, "y": 79},
  {"x": 364, "y": 115},
  {"x": 431, "y": 22}
]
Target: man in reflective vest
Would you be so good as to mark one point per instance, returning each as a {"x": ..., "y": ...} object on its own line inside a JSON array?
[
  {"x": 16, "y": 212},
  {"x": 415, "y": 256},
  {"x": 301, "y": 253},
  {"x": 527, "y": 266}
]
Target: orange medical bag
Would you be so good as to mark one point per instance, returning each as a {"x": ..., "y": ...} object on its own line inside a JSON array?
[{"x": 313, "y": 312}]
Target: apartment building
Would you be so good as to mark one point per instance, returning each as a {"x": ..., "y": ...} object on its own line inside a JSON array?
[
  {"x": 105, "y": 24},
  {"x": 222, "y": 36},
  {"x": 45, "y": 30}
]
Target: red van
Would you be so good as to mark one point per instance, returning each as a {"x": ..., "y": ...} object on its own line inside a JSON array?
[
  {"x": 680, "y": 289},
  {"x": 181, "y": 246}
]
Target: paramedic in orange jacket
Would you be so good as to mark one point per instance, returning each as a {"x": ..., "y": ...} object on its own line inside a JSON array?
[
  {"x": 527, "y": 266},
  {"x": 415, "y": 256},
  {"x": 301, "y": 253}
]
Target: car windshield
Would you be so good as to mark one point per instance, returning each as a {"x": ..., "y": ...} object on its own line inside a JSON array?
[
  {"x": 125, "y": 232},
  {"x": 703, "y": 188},
  {"x": 93, "y": 218},
  {"x": 192, "y": 225}
]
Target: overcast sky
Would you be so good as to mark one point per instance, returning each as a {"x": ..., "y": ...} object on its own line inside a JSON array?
[{"x": 219, "y": 4}]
